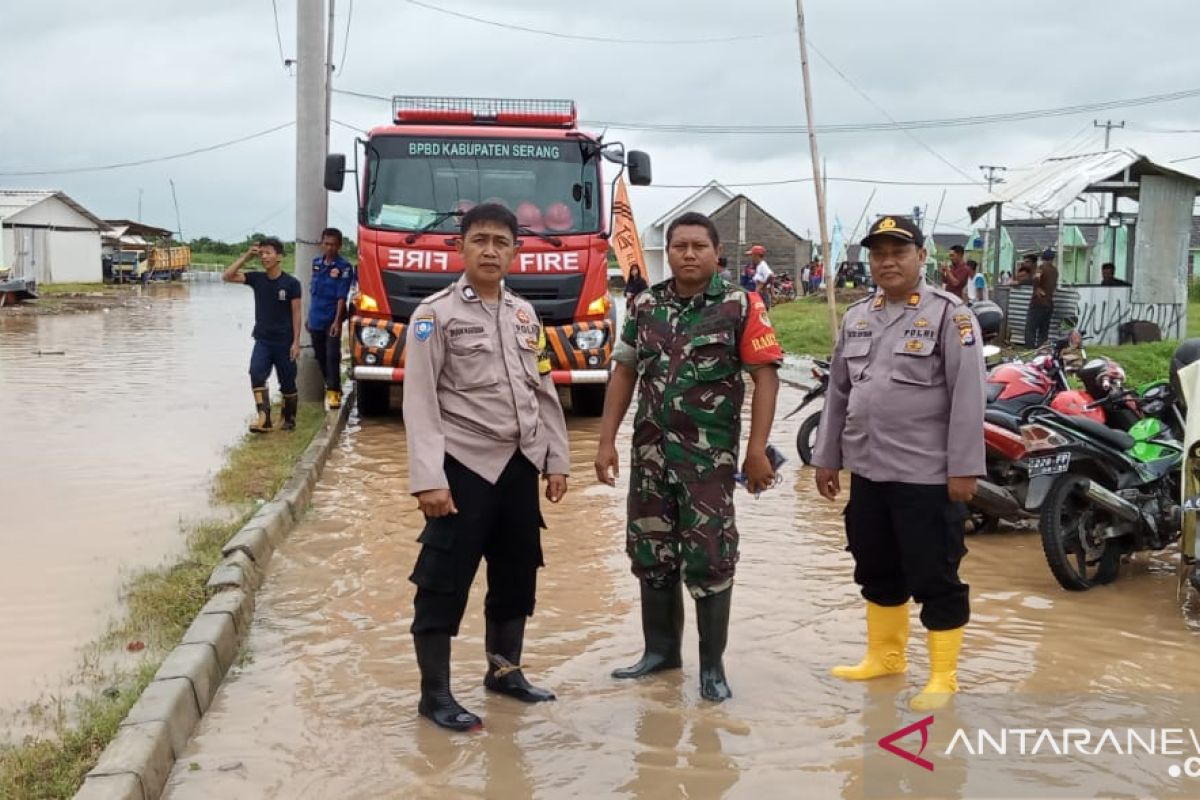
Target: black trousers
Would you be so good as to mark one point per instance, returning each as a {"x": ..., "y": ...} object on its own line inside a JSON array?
[
  {"x": 1037, "y": 325},
  {"x": 907, "y": 541},
  {"x": 500, "y": 522},
  {"x": 328, "y": 352}
]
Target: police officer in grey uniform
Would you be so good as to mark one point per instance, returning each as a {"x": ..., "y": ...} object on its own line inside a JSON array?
[
  {"x": 904, "y": 415},
  {"x": 483, "y": 420}
]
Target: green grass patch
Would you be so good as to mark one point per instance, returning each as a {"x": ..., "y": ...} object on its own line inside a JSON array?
[
  {"x": 264, "y": 461},
  {"x": 160, "y": 604},
  {"x": 803, "y": 326},
  {"x": 52, "y": 289},
  {"x": 203, "y": 259}
]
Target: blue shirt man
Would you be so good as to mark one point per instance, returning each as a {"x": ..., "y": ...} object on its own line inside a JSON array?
[{"x": 332, "y": 277}]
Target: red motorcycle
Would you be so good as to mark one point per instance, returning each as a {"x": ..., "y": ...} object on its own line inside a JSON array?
[{"x": 1014, "y": 387}]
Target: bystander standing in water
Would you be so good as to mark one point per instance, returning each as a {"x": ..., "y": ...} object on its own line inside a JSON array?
[{"x": 276, "y": 329}]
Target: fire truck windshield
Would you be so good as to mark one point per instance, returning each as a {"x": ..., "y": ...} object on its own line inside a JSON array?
[{"x": 551, "y": 185}]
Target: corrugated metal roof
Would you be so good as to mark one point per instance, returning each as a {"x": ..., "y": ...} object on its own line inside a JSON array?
[
  {"x": 1055, "y": 183},
  {"x": 14, "y": 201}
]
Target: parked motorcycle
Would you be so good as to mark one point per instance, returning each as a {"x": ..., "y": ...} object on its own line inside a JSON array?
[
  {"x": 1103, "y": 492},
  {"x": 1013, "y": 387},
  {"x": 806, "y": 436}
]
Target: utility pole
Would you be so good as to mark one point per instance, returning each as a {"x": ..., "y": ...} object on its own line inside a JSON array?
[
  {"x": 1112, "y": 197},
  {"x": 989, "y": 174},
  {"x": 312, "y": 75},
  {"x": 139, "y": 216},
  {"x": 329, "y": 78},
  {"x": 175, "y": 200},
  {"x": 1108, "y": 125},
  {"x": 830, "y": 269}
]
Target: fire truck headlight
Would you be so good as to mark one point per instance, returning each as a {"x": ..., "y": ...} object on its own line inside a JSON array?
[
  {"x": 590, "y": 340},
  {"x": 375, "y": 337}
]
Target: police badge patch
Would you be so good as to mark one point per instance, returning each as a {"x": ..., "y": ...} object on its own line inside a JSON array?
[
  {"x": 335, "y": 273},
  {"x": 423, "y": 328}
]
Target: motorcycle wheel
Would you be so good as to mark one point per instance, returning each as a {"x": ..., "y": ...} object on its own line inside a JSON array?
[
  {"x": 1070, "y": 528},
  {"x": 806, "y": 437}
]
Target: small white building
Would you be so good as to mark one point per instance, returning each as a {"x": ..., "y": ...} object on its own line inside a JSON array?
[
  {"x": 654, "y": 236},
  {"x": 47, "y": 237}
]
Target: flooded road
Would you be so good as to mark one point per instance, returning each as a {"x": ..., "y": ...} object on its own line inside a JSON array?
[
  {"x": 326, "y": 705},
  {"x": 107, "y": 446}
]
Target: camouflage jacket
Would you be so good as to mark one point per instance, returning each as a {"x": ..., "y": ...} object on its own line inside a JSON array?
[{"x": 689, "y": 354}]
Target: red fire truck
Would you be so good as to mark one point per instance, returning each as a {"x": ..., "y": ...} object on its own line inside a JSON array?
[{"x": 439, "y": 157}]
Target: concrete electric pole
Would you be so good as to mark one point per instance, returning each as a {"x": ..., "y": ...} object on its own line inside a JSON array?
[
  {"x": 1108, "y": 125},
  {"x": 989, "y": 174},
  {"x": 818, "y": 181},
  {"x": 312, "y": 74}
]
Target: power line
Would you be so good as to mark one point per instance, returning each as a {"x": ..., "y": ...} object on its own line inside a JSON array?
[
  {"x": 867, "y": 127},
  {"x": 885, "y": 113},
  {"x": 346, "y": 38},
  {"x": 278, "y": 36},
  {"x": 786, "y": 181},
  {"x": 585, "y": 38},
  {"x": 144, "y": 161}
]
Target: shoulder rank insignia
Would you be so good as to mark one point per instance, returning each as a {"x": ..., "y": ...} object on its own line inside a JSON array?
[
  {"x": 878, "y": 304},
  {"x": 914, "y": 300}
]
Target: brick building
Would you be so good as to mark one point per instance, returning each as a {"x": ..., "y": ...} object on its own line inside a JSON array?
[{"x": 742, "y": 223}]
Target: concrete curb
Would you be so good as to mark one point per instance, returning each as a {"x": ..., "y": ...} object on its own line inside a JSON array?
[{"x": 137, "y": 763}]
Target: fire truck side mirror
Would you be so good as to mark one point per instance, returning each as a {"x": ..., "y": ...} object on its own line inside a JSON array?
[
  {"x": 335, "y": 172},
  {"x": 639, "y": 167}
]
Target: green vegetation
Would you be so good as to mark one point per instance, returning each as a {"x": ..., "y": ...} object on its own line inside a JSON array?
[
  {"x": 215, "y": 253},
  {"x": 52, "y": 289},
  {"x": 160, "y": 604},
  {"x": 802, "y": 325}
]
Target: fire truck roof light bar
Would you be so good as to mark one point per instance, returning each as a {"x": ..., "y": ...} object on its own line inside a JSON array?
[{"x": 416, "y": 110}]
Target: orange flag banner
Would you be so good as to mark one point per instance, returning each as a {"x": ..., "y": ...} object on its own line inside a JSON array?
[{"x": 625, "y": 239}]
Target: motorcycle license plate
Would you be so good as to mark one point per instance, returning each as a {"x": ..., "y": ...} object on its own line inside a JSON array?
[{"x": 1049, "y": 465}]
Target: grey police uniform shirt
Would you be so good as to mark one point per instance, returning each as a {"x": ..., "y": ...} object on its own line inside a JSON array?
[
  {"x": 473, "y": 389},
  {"x": 906, "y": 392}
]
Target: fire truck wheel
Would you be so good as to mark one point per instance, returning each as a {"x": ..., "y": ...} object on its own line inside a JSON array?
[
  {"x": 374, "y": 398},
  {"x": 587, "y": 401}
]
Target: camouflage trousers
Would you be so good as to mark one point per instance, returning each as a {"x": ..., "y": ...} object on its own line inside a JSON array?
[{"x": 682, "y": 526}]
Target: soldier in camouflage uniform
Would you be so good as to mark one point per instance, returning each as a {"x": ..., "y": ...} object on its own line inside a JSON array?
[{"x": 684, "y": 345}]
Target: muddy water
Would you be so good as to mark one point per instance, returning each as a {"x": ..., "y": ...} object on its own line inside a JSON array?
[
  {"x": 104, "y": 450},
  {"x": 325, "y": 707}
]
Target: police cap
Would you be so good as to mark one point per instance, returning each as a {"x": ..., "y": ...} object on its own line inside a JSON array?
[{"x": 901, "y": 229}]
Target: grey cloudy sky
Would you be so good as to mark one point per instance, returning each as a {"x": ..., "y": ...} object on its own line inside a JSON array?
[{"x": 90, "y": 83}]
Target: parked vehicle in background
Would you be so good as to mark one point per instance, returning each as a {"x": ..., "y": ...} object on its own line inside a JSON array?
[{"x": 438, "y": 158}]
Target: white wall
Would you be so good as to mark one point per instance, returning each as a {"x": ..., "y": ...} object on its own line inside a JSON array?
[
  {"x": 654, "y": 237},
  {"x": 74, "y": 257}
]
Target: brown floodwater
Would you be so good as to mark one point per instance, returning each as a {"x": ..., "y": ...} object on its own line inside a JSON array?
[
  {"x": 325, "y": 705},
  {"x": 112, "y": 424}
]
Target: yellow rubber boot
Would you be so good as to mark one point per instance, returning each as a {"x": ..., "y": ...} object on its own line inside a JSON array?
[
  {"x": 944, "y": 647},
  {"x": 262, "y": 401},
  {"x": 887, "y": 638},
  {"x": 334, "y": 398}
]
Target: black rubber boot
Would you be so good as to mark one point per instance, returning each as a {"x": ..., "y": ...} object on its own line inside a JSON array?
[
  {"x": 504, "y": 641},
  {"x": 712, "y": 620},
  {"x": 662, "y": 628},
  {"x": 437, "y": 703},
  {"x": 289, "y": 411},
  {"x": 262, "y": 402}
]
